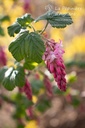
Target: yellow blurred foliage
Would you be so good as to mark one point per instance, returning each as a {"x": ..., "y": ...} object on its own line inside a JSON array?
[
  {"x": 32, "y": 124},
  {"x": 56, "y": 34},
  {"x": 39, "y": 25},
  {"x": 76, "y": 46},
  {"x": 11, "y": 7},
  {"x": 34, "y": 99}
]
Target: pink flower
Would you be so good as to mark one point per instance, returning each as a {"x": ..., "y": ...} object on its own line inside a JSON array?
[
  {"x": 3, "y": 59},
  {"x": 27, "y": 90},
  {"x": 29, "y": 112},
  {"x": 53, "y": 59},
  {"x": 27, "y": 6},
  {"x": 48, "y": 85}
]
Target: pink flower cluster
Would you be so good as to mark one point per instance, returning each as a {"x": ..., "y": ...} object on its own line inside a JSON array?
[
  {"x": 3, "y": 59},
  {"x": 29, "y": 112},
  {"x": 48, "y": 86},
  {"x": 27, "y": 90},
  {"x": 26, "y": 6},
  {"x": 54, "y": 62}
]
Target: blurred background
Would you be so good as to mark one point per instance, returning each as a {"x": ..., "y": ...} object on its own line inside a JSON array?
[{"x": 64, "y": 109}]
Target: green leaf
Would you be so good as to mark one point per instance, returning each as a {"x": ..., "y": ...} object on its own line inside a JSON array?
[
  {"x": 2, "y": 31},
  {"x": 72, "y": 77},
  {"x": 27, "y": 45},
  {"x": 13, "y": 77},
  {"x": 14, "y": 28},
  {"x": 18, "y": 46},
  {"x": 21, "y": 23},
  {"x": 20, "y": 76},
  {"x": 69, "y": 63},
  {"x": 35, "y": 47},
  {"x": 75, "y": 102},
  {"x": 30, "y": 65},
  {"x": 23, "y": 101},
  {"x": 55, "y": 19},
  {"x": 36, "y": 85},
  {"x": 57, "y": 91},
  {"x": 8, "y": 81},
  {"x": 43, "y": 105},
  {"x": 80, "y": 64},
  {"x": 2, "y": 72},
  {"x": 25, "y": 20},
  {"x": 4, "y": 18}
]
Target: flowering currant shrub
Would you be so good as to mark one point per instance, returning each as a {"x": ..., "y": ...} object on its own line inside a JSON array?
[{"x": 31, "y": 48}]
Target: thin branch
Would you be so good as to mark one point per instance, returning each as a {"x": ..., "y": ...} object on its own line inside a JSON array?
[{"x": 44, "y": 28}]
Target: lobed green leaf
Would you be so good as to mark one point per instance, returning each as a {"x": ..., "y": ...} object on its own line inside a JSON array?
[
  {"x": 4, "y": 18},
  {"x": 14, "y": 28},
  {"x": 55, "y": 19},
  {"x": 8, "y": 81},
  {"x": 20, "y": 76},
  {"x": 18, "y": 46},
  {"x": 28, "y": 46},
  {"x": 2, "y": 72},
  {"x": 12, "y": 77},
  {"x": 25, "y": 19}
]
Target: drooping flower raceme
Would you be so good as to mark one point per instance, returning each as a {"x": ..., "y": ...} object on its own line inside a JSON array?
[
  {"x": 48, "y": 85},
  {"x": 54, "y": 62},
  {"x": 29, "y": 112},
  {"x": 27, "y": 90},
  {"x": 27, "y": 6},
  {"x": 3, "y": 59}
]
